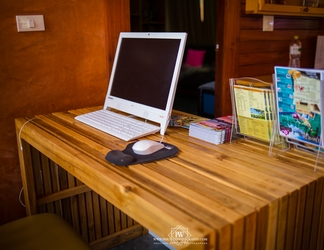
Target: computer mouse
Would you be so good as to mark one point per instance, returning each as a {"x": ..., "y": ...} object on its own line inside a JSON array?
[{"x": 146, "y": 147}]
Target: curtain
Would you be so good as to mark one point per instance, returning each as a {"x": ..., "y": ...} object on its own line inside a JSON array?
[{"x": 184, "y": 15}]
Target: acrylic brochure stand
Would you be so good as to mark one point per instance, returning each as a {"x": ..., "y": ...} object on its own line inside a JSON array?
[{"x": 254, "y": 110}]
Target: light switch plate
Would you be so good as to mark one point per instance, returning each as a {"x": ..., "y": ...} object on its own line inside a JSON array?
[
  {"x": 30, "y": 23},
  {"x": 268, "y": 23}
]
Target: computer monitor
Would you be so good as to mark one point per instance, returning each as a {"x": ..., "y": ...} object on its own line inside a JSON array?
[{"x": 145, "y": 73}]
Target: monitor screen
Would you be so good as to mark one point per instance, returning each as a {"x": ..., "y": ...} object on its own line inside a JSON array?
[{"x": 144, "y": 70}]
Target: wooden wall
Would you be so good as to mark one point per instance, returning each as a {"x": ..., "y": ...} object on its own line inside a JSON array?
[
  {"x": 65, "y": 67},
  {"x": 247, "y": 51}
]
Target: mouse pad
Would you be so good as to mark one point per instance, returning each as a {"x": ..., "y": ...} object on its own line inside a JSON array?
[{"x": 127, "y": 156}]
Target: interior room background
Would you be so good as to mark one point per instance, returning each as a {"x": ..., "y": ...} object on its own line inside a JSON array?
[{"x": 67, "y": 66}]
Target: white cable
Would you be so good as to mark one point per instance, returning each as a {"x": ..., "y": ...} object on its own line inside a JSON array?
[
  {"x": 19, "y": 134},
  {"x": 20, "y": 197},
  {"x": 162, "y": 138},
  {"x": 21, "y": 148}
]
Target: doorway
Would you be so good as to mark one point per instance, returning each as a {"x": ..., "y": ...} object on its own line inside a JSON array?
[{"x": 200, "y": 25}]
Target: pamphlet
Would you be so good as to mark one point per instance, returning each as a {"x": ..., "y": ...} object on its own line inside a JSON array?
[
  {"x": 184, "y": 121},
  {"x": 299, "y": 101},
  {"x": 253, "y": 110}
]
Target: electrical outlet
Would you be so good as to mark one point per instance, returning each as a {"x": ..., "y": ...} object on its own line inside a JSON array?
[
  {"x": 30, "y": 23},
  {"x": 268, "y": 23}
]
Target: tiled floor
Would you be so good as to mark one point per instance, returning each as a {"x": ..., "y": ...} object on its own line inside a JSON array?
[{"x": 145, "y": 242}]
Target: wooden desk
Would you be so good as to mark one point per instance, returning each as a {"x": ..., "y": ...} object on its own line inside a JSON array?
[{"x": 234, "y": 195}]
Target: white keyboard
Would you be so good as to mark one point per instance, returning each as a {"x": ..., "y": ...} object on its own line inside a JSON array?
[{"x": 123, "y": 127}]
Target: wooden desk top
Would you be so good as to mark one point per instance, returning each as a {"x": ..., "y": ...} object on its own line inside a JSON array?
[{"x": 233, "y": 195}]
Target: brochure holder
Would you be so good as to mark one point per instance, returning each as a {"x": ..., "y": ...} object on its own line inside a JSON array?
[{"x": 254, "y": 111}]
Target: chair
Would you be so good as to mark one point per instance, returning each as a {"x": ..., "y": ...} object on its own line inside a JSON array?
[
  {"x": 41, "y": 231},
  {"x": 206, "y": 100}
]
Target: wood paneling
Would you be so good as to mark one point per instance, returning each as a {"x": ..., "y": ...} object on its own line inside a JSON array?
[
  {"x": 247, "y": 51},
  {"x": 65, "y": 67},
  {"x": 227, "y": 54},
  {"x": 56, "y": 191}
]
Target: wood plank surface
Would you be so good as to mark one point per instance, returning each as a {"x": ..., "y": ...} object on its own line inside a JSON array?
[{"x": 234, "y": 195}]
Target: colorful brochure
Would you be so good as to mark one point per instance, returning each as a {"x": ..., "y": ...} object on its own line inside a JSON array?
[{"x": 300, "y": 103}]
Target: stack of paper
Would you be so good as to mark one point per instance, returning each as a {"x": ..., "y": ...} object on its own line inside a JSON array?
[{"x": 213, "y": 131}]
